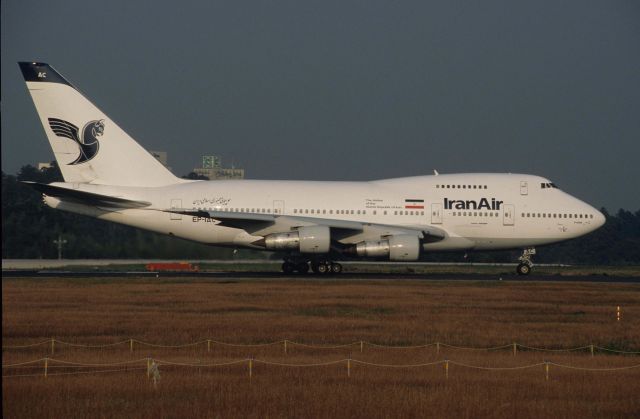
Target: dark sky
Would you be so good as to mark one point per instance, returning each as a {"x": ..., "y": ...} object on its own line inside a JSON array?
[{"x": 349, "y": 90}]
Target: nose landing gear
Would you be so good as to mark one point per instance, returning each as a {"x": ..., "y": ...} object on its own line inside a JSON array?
[{"x": 525, "y": 265}]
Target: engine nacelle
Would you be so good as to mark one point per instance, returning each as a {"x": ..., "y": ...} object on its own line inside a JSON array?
[
  {"x": 373, "y": 249},
  {"x": 404, "y": 247},
  {"x": 401, "y": 247},
  {"x": 313, "y": 239}
]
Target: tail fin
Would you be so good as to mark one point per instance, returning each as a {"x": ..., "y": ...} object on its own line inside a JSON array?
[{"x": 88, "y": 146}]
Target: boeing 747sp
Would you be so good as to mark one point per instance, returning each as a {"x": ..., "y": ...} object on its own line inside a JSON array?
[{"x": 108, "y": 175}]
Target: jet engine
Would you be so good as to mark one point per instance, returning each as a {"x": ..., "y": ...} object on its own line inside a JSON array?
[
  {"x": 312, "y": 239},
  {"x": 401, "y": 247}
]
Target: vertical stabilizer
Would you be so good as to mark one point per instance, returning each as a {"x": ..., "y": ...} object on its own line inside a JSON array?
[{"x": 88, "y": 146}]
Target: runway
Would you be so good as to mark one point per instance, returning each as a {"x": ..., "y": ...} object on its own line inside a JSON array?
[{"x": 345, "y": 276}]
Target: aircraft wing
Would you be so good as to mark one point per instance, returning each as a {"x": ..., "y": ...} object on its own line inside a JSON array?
[
  {"x": 263, "y": 224},
  {"x": 88, "y": 198}
]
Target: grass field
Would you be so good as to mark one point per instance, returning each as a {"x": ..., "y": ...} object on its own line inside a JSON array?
[{"x": 175, "y": 311}]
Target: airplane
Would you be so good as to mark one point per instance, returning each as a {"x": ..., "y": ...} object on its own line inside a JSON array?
[{"x": 109, "y": 176}]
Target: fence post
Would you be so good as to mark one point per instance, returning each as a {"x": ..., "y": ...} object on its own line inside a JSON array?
[
  {"x": 591, "y": 347},
  {"x": 348, "y": 367},
  {"x": 148, "y": 367},
  {"x": 437, "y": 348},
  {"x": 131, "y": 345},
  {"x": 446, "y": 368},
  {"x": 46, "y": 367},
  {"x": 250, "y": 368},
  {"x": 361, "y": 346},
  {"x": 514, "y": 348},
  {"x": 53, "y": 346},
  {"x": 546, "y": 370},
  {"x": 285, "y": 346},
  {"x": 208, "y": 345}
]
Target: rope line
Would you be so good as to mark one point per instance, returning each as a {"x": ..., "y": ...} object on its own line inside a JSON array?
[
  {"x": 306, "y": 345},
  {"x": 80, "y": 345},
  {"x": 581, "y": 348},
  {"x": 95, "y": 365},
  {"x": 355, "y": 361},
  {"x": 26, "y": 346},
  {"x": 69, "y": 364},
  {"x": 595, "y": 369},
  {"x": 184, "y": 364},
  {"x": 249, "y": 345},
  {"x": 170, "y": 346},
  {"x": 615, "y": 350},
  {"x": 510, "y": 345},
  {"x": 280, "y": 364},
  {"x": 22, "y": 363},
  {"x": 520, "y": 367},
  {"x": 375, "y": 345}
]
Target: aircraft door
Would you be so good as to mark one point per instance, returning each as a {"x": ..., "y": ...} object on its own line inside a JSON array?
[
  {"x": 436, "y": 213},
  {"x": 278, "y": 207},
  {"x": 176, "y": 204},
  {"x": 524, "y": 188},
  {"x": 509, "y": 214}
]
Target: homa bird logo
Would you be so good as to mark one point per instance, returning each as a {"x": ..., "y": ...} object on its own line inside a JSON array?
[{"x": 87, "y": 140}]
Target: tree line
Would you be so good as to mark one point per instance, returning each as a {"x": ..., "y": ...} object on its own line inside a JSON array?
[{"x": 29, "y": 229}]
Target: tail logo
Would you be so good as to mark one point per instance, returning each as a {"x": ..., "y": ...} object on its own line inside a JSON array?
[{"x": 88, "y": 141}]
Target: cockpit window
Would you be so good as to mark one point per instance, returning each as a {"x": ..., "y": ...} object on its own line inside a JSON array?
[{"x": 548, "y": 185}]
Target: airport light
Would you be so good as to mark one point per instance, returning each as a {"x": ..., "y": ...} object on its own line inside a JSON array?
[{"x": 60, "y": 242}]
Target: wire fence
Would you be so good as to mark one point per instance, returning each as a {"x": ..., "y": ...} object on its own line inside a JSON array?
[
  {"x": 152, "y": 366},
  {"x": 53, "y": 343}
]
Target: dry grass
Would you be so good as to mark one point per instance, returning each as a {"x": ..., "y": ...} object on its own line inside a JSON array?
[{"x": 177, "y": 311}]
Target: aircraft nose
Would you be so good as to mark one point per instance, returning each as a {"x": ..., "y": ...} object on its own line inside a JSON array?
[{"x": 599, "y": 219}]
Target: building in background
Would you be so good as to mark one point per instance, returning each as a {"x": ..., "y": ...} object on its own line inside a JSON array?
[
  {"x": 162, "y": 157},
  {"x": 213, "y": 169},
  {"x": 42, "y": 166}
]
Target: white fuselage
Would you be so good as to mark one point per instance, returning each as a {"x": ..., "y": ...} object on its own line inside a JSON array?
[{"x": 475, "y": 211}]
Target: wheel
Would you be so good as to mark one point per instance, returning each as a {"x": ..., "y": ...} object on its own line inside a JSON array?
[
  {"x": 523, "y": 269},
  {"x": 336, "y": 268},
  {"x": 323, "y": 268},
  {"x": 302, "y": 267},
  {"x": 288, "y": 268}
]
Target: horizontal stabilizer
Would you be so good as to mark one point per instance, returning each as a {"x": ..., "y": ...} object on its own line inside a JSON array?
[{"x": 87, "y": 198}]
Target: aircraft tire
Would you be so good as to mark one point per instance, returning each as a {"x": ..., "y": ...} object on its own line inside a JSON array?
[
  {"x": 336, "y": 268},
  {"x": 323, "y": 268},
  {"x": 523, "y": 269}
]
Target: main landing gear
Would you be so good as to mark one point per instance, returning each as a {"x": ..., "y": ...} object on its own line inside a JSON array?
[
  {"x": 525, "y": 265},
  {"x": 291, "y": 266}
]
